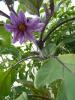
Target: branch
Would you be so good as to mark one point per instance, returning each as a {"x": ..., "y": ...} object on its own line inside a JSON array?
[
  {"x": 54, "y": 28},
  {"x": 38, "y": 8},
  {"x": 31, "y": 57},
  {"x": 38, "y": 96},
  {"x": 49, "y": 14},
  {"x": 9, "y": 4},
  {"x": 28, "y": 84},
  {"x": 4, "y": 14}
]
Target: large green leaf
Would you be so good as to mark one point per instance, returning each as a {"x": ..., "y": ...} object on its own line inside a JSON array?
[
  {"x": 67, "y": 89},
  {"x": 54, "y": 69},
  {"x": 6, "y": 80},
  {"x": 68, "y": 60},
  {"x": 49, "y": 72}
]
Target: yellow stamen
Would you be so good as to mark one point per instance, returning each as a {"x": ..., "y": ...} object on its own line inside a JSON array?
[{"x": 22, "y": 27}]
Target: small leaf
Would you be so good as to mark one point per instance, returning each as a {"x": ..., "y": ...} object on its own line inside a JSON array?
[{"x": 49, "y": 49}]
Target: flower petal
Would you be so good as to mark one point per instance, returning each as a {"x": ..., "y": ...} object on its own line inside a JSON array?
[
  {"x": 29, "y": 36},
  {"x": 22, "y": 17},
  {"x": 34, "y": 21},
  {"x": 14, "y": 18},
  {"x": 35, "y": 25},
  {"x": 21, "y": 39},
  {"x": 10, "y": 28},
  {"x": 36, "y": 28},
  {"x": 15, "y": 36}
]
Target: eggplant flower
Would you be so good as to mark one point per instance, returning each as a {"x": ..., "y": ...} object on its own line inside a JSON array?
[{"x": 23, "y": 28}]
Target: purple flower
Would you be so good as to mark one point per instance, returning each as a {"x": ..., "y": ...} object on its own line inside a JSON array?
[{"x": 23, "y": 28}]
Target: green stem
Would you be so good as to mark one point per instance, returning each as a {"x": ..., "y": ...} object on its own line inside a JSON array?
[
  {"x": 31, "y": 57},
  {"x": 54, "y": 28},
  {"x": 38, "y": 96}
]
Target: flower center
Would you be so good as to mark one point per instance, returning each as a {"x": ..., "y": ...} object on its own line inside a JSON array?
[{"x": 22, "y": 27}]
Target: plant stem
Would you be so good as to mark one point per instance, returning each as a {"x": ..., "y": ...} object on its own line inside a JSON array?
[
  {"x": 38, "y": 96},
  {"x": 48, "y": 16},
  {"x": 38, "y": 8},
  {"x": 9, "y": 5},
  {"x": 4, "y": 14},
  {"x": 31, "y": 57},
  {"x": 54, "y": 28}
]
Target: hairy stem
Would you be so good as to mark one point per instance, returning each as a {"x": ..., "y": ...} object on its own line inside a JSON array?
[{"x": 57, "y": 26}]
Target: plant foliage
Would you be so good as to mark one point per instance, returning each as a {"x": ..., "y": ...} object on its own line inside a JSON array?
[{"x": 45, "y": 70}]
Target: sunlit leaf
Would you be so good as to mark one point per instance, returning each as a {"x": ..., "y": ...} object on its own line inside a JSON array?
[
  {"x": 5, "y": 37},
  {"x": 68, "y": 60},
  {"x": 50, "y": 71},
  {"x": 6, "y": 81},
  {"x": 67, "y": 89}
]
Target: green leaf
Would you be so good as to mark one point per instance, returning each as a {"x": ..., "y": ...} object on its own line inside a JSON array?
[
  {"x": 69, "y": 39},
  {"x": 21, "y": 6},
  {"x": 23, "y": 96},
  {"x": 10, "y": 50},
  {"x": 5, "y": 37},
  {"x": 68, "y": 60},
  {"x": 49, "y": 49},
  {"x": 61, "y": 93},
  {"x": 31, "y": 5},
  {"x": 67, "y": 91},
  {"x": 53, "y": 70},
  {"x": 49, "y": 72},
  {"x": 6, "y": 81}
]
